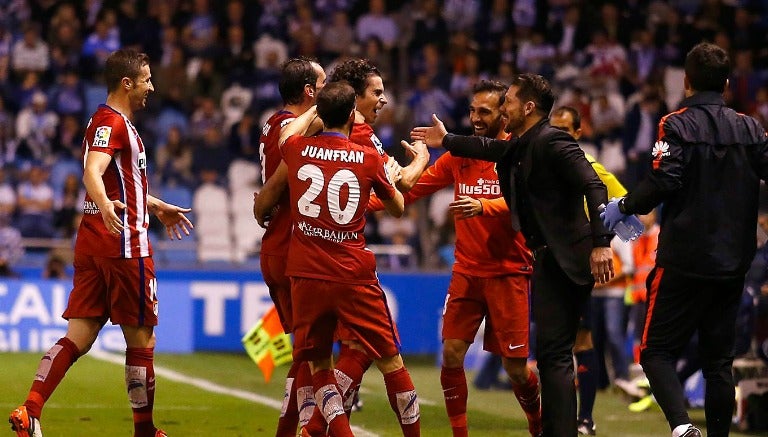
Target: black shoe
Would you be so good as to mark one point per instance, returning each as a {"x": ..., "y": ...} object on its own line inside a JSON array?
[
  {"x": 586, "y": 427},
  {"x": 692, "y": 431},
  {"x": 357, "y": 403}
]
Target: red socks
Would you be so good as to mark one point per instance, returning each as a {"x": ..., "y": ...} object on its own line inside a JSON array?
[
  {"x": 310, "y": 417},
  {"x": 329, "y": 402},
  {"x": 140, "y": 382},
  {"x": 403, "y": 400},
  {"x": 289, "y": 414},
  {"x": 50, "y": 372},
  {"x": 454, "y": 384},
  {"x": 529, "y": 397},
  {"x": 349, "y": 370}
]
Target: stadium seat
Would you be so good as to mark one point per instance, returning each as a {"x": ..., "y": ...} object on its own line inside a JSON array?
[
  {"x": 95, "y": 95},
  {"x": 244, "y": 174},
  {"x": 246, "y": 233},
  {"x": 213, "y": 223},
  {"x": 178, "y": 195},
  {"x": 61, "y": 169}
]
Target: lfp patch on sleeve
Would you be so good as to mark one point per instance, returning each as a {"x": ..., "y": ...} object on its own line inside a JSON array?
[
  {"x": 101, "y": 139},
  {"x": 378, "y": 144}
]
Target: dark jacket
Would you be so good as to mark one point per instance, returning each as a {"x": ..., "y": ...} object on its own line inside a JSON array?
[
  {"x": 557, "y": 177},
  {"x": 707, "y": 166}
]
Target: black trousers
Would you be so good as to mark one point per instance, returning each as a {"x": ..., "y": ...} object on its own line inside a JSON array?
[
  {"x": 557, "y": 303},
  {"x": 678, "y": 306}
]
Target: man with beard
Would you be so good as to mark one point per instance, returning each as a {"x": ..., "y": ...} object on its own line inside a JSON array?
[
  {"x": 300, "y": 81},
  {"x": 491, "y": 275},
  {"x": 544, "y": 178}
]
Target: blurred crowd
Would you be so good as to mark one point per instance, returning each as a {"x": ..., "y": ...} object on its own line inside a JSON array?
[{"x": 215, "y": 66}]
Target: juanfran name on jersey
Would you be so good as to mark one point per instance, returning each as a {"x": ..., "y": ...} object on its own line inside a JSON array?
[
  {"x": 378, "y": 144},
  {"x": 101, "y": 138},
  {"x": 354, "y": 156},
  {"x": 488, "y": 187},
  {"x": 326, "y": 234}
]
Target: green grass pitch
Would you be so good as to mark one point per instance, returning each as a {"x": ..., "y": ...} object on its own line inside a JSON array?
[{"x": 225, "y": 395}]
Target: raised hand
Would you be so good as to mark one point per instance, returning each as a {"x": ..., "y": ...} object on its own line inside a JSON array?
[
  {"x": 415, "y": 149},
  {"x": 433, "y": 135},
  {"x": 173, "y": 218}
]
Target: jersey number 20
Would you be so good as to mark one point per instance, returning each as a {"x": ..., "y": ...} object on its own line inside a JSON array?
[{"x": 342, "y": 177}]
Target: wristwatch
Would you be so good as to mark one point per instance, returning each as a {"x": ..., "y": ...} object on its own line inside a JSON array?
[{"x": 622, "y": 208}]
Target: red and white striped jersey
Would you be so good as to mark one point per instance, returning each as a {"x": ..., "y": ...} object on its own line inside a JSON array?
[
  {"x": 278, "y": 235},
  {"x": 125, "y": 179}
]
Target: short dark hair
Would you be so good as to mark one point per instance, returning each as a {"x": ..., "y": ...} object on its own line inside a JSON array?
[
  {"x": 575, "y": 115},
  {"x": 356, "y": 72},
  {"x": 335, "y": 102},
  {"x": 707, "y": 67},
  {"x": 294, "y": 74},
  {"x": 123, "y": 63},
  {"x": 491, "y": 86},
  {"x": 534, "y": 88}
]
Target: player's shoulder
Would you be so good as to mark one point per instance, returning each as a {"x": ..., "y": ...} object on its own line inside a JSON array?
[
  {"x": 282, "y": 117},
  {"x": 295, "y": 140},
  {"x": 106, "y": 116},
  {"x": 365, "y": 153},
  {"x": 105, "y": 124},
  {"x": 755, "y": 129},
  {"x": 277, "y": 121},
  {"x": 366, "y": 136}
]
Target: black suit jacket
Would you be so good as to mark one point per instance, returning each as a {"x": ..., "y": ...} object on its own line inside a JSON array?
[{"x": 558, "y": 178}]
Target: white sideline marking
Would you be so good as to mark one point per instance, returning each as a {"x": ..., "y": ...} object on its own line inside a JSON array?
[{"x": 212, "y": 387}]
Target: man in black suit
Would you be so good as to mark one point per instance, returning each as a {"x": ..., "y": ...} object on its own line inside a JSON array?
[{"x": 544, "y": 177}]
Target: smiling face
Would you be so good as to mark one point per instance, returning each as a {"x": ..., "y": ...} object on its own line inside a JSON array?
[
  {"x": 373, "y": 99},
  {"x": 140, "y": 88},
  {"x": 513, "y": 111},
  {"x": 485, "y": 114}
]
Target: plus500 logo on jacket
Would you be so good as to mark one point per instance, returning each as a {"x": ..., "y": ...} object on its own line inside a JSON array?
[{"x": 485, "y": 187}]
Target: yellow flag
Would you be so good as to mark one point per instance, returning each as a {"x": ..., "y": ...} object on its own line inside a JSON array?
[{"x": 267, "y": 344}]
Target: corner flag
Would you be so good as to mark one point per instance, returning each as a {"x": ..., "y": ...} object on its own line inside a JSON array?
[{"x": 267, "y": 344}]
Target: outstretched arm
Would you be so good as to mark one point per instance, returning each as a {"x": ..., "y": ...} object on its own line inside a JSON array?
[
  {"x": 476, "y": 147},
  {"x": 171, "y": 216}
]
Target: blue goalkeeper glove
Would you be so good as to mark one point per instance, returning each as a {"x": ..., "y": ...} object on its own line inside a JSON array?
[{"x": 611, "y": 215}]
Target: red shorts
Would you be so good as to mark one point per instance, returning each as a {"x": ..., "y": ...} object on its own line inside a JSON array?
[
  {"x": 123, "y": 290},
  {"x": 273, "y": 272},
  {"x": 318, "y": 305},
  {"x": 502, "y": 301}
]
